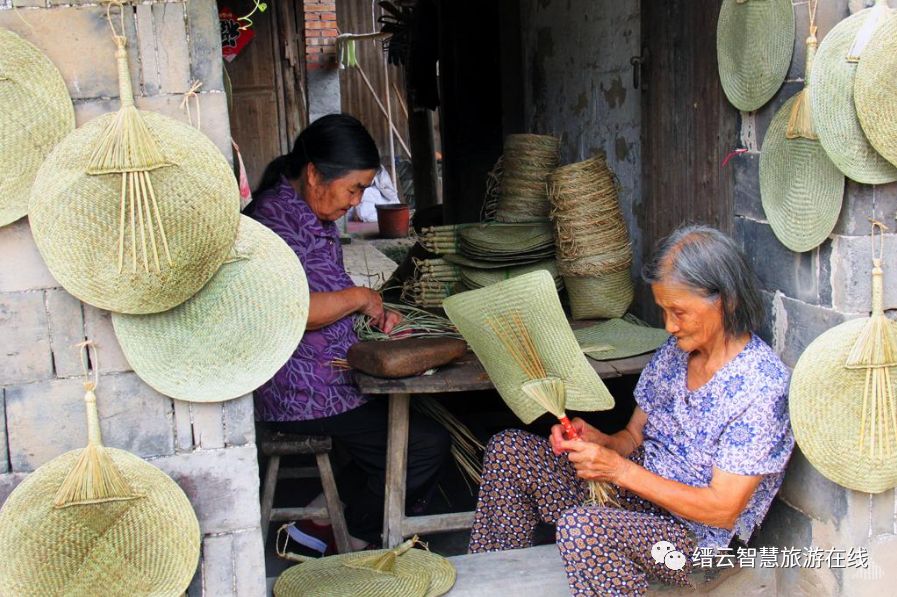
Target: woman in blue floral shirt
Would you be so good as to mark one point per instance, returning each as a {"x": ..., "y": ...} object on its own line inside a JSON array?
[{"x": 700, "y": 460}]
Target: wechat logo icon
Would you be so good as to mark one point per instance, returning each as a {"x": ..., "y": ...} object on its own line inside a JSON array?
[{"x": 666, "y": 553}]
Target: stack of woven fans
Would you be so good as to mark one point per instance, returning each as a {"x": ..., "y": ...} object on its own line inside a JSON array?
[{"x": 138, "y": 214}]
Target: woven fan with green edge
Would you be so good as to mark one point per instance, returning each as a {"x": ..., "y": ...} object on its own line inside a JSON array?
[
  {"x": 875, "y": 352},
  {"x": 522, "y": 318},
  {"x": 398, "y": 572},
  {"x": 127, "y": 147},
  {"x": 95, "y": 478}
]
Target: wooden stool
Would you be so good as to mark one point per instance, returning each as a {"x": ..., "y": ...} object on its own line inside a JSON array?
[{"x": 275, "y": 444}]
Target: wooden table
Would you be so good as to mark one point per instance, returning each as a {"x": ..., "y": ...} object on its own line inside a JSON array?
[{"x": 464, "y": 375}]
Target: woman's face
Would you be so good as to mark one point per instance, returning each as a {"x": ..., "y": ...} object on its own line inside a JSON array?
[
  {"x": 330, "y": 200},
  {"x": 695, "y": 320}
]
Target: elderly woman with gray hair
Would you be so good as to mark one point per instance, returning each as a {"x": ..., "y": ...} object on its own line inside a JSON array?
[{"x": 699, "y": 461}]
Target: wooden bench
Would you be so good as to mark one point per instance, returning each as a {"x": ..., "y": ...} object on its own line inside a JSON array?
[{"x": 539, "y": 572}]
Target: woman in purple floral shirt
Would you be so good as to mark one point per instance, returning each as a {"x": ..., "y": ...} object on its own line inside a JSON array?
[
  {"x": 700, "y": 460},
  {"x": 300, "y": 197}
]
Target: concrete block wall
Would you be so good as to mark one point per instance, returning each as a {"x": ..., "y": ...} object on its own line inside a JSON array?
[
  {"x": 806, "y": 294},
  {"x": 579, "y": 85},
  {"x": 208, "y": 449}
]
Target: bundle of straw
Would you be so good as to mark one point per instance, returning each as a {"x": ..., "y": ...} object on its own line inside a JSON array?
[
  {"x": 415, "y": 323},
  {"x": 466, "y": 449},
  {"x": 493, "y": 192},
  {"x": 438, "y": 270},
  {"x": 876, "y": 352},
  {"x": 441, "y": 240},
  {"x": 547, "y": 392},
  {"x": 800, "y": 122}
]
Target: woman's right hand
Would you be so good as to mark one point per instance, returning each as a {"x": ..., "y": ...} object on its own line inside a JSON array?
[{"x": 586, "y": 432}]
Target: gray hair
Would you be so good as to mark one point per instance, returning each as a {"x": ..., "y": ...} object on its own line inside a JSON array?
[{"x": 713, "y": 265}]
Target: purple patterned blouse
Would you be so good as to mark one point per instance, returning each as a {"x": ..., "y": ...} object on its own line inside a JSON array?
[
  {"x": 738, "y": 422},
  {"x": 307, "y": 386}
]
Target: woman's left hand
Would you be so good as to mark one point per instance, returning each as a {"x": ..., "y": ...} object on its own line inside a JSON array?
[
  {"x": 390, "y": 320},
  {"x": 595, "y": 463}
]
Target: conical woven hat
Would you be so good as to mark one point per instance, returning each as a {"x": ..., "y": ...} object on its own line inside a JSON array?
[
  {"x": 377, "y": 573},
  {"x": 75, "y": 219},
  {"x": 533, "y": 298},
  {"x": 826, "y": 407},
  {"x": 618, "y": 338},
  {"x": 234, "y": 334},
  {"x": 145, "y": 546},
  {"x": 800, "y": 187},
  {"x": 875, "y": 88},
  {"x": 37, "y": 114},
  {"x": 754, "y": 43},
  {"x": 834, "y": 112}
]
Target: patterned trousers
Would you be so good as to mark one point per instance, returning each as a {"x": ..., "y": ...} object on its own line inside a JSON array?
[{"x": 606, "y": 550}]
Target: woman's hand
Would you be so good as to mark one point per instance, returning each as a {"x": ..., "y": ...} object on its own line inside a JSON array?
[
  {"x": 594, "y": 462},
  {"x": 390, "y": 320},
  {"x": 370, "y": 303},
  {"x": 586, "y": 432}
]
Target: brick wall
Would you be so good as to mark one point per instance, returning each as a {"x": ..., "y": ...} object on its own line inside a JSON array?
[
  {"x": 806, "y": 294},
  {"x": 208, "y": 449},
  {"x": 320, "y": 34}
]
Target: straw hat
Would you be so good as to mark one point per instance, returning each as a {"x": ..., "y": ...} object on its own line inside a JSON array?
[
  {"x": 834, "y": 112},
  {"x": 875, "y": 87},
  {"x": 234, "y": 334},
  {"x": 754, "y": 43},
  {"x": 618, "y": 338},
  {"x": 134, "y": 212},
  {"x": 826, "y": 407},
  {"x": 37, "y": 114},
  {"x": 64, "y": 533},
  {"x": 533, "y": 299},
  {"x": 399, "y": 572},
  {"x": 801, "y": 189}
]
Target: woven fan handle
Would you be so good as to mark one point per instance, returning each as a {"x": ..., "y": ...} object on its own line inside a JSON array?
[
  {"x": 877, "y": 272},
  {"x": 570, "y": 433}
]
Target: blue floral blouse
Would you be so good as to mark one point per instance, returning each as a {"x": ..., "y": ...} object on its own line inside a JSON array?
[{"x": 738, "y": 422}]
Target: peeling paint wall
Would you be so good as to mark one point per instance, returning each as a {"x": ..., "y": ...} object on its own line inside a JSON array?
[{"x": 579, "y": 84}]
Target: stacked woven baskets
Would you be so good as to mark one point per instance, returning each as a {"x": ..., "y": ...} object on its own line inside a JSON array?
[
  {"x": 527, "y": 162},
  {"x": 593, "y": 249}
]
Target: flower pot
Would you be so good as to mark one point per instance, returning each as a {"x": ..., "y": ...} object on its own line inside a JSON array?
[{"x": 393, "y": 220}]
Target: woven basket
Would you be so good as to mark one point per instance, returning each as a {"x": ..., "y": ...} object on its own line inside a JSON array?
[
  {"x": 826, "y": 403},
  {"x": 234, "y": 334},
  {"x": 414, "y": 573},
  {"x": 145, "y": 546},
  {"x": 534, "y": 297},
  {"x": 801, "y": 189},
  {"x": 527, "y": 160},
  {"x": 754, "y": 44},
  {"x": 834, "y": 112},
  {"x": 75, "y": 219},
  {"x": 600, "y": 297},
  {"x": 875, "y": 87},
  {"x": 618, "y": 339},
  {"x": 37, "y": 114}
]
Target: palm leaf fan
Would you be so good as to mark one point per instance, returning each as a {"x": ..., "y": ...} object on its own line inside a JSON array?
[{"x": 876, "y": 353}]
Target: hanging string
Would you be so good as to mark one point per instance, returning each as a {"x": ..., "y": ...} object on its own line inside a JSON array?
[{"x": 193, "y": 93}]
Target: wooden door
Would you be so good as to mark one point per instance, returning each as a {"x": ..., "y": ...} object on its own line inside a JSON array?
[
  {"x": 268, "y": 105},
  {"x": 688, "y": 127}
]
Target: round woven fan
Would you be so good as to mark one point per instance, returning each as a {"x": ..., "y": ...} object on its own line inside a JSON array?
[
  {"x": 37, "y": 114},
  {"x": 834, "y": 111},
  {"x": 875, "y": 88},
  {"x": 97, "y": 520},
  {"x": 234, "y": 334},
  {"x": 754, "y": 44},
  {"x": 134, "y": 212}
]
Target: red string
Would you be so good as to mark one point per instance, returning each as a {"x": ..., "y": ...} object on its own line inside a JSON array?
[{"x": 731, "y": 155}]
